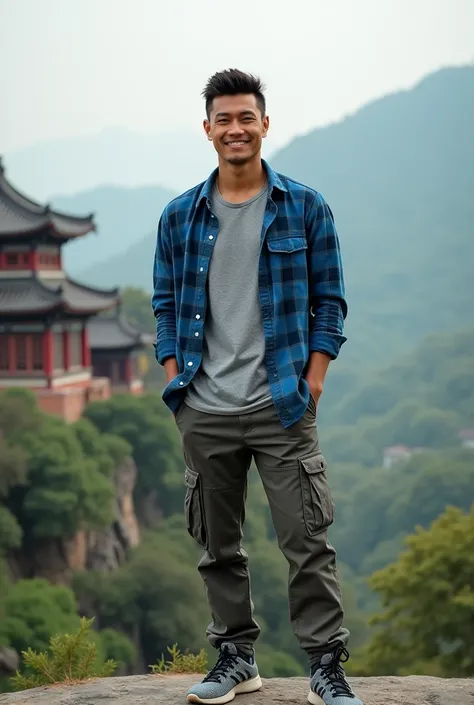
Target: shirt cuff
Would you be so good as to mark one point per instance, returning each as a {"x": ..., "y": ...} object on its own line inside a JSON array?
[
  {"x": 327, "y": 343},
  {"x": 165, "y": 349}
]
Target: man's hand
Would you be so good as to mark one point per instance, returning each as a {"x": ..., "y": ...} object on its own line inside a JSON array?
[
  {"x": 317, "y": 368},
  {"x": 171, "y": 369},
  {"x": 315, "y": 388}
]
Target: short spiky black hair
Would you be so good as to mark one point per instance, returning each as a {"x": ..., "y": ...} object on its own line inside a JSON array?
[{"x": 233, "y": 82}]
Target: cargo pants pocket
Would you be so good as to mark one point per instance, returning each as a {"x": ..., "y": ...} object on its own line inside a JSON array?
[
  {"x": 194, "y": 508},
  {"x": 318, "y": 506}
]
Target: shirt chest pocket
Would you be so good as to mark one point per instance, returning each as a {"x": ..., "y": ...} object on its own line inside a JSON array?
[{"x": 287, "y": 245}]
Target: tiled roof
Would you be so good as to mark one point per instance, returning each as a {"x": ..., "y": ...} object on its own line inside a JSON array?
[
  {"x": 20, "y": 215},
  {"x": 106, "y": 332},
  {"x": 34, "y": 295}
]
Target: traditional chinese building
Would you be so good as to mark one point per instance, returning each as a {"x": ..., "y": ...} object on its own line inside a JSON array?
[
  {"x": 47, "y": 319},
  {"x": 117, "y": 352}
]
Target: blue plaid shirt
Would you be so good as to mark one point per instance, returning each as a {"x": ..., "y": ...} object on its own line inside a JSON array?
[{"x": 301, "y": 287}]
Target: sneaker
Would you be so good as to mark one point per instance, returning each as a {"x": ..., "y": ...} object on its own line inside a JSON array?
[
  {"x": 328, "y": 681},
  {"x": 231, "y": 676}
]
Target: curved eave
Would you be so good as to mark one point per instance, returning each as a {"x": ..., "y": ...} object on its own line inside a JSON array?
[
  {"x": 61, "y": 225},
  {"x": 106, "y": 293},
  {"x": 48, "y": 226},
  {"x": 29, "y": 313},
  {"x": 88, "y": 311}
]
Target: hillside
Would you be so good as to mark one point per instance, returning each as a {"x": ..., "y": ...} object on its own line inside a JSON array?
[
  {"x": 121, "y": 214},
  {"x": 398, "y": 176}
]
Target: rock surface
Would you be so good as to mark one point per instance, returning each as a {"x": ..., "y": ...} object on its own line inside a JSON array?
[
  {"x": 170, "y": 690},
  {"x": 9, "y": 660}
]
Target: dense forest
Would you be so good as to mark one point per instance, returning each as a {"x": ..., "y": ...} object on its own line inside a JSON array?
[{"x": 58, "y": 481}]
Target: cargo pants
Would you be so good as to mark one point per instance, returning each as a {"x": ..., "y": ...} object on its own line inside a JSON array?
[{"x": 218, "y": 451}]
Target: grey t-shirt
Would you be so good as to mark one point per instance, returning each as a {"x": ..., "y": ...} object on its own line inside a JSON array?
[{"x": 232, "y": 378}]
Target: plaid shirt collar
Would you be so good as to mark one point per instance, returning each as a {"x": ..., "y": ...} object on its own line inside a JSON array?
[{"x": 273, "y": 179}]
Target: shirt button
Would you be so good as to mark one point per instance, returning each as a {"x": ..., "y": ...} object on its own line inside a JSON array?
[
  {"x": 211, "y": 237},
  {"x": 212, "y": 215},
  {"x": 275, "y": 374},
  {"x": 197, "y": 335},
  {"x": 181, "y": 384},
  {"x": 190, "y": 364},
  {"x": 201, "y": 269},
  {"x": 198, "y": 316}
]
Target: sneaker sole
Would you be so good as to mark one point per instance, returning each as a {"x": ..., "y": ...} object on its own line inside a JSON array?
[
  {"x": 314, "y": 698},
  {"x": 249, "y": 686}
]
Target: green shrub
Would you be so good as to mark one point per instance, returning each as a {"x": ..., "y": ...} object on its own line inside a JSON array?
[
  {"x": 181, "y": 663},
  {"x": 72, "y": 657}
]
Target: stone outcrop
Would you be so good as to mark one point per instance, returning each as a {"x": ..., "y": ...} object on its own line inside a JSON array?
[
  {"x": 170, "y": 690},
  {"x": 9, "y": 660},
  {"x": 104, "y": 550}
]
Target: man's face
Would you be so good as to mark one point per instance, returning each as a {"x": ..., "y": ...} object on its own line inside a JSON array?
[{"x": 236, "y": 127}]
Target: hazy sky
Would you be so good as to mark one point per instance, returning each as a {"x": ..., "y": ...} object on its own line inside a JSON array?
[{"x": 71, "y": 67}]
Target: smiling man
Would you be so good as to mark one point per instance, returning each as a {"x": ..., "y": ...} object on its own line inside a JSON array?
[{"x": 249, "y": 303}]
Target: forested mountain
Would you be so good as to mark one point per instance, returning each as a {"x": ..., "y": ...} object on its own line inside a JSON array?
[{"x": 398, "y": 176}]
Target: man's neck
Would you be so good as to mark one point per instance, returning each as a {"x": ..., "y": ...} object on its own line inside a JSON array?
[{"x": 238, "y": 183}]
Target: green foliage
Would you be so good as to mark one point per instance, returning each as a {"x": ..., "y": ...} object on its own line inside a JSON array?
[
  {"x": 72, "y": 657},
  {"x": 105, "y": 449},
  {"x": 55, "y": 477},
  {"x": 116, "y": 646},
  {"x": 12, "y": 466},
  {"x": 137, "y": 308},
  {"x": 157, "y": 591},
  {"x": 386, "y": 505},
  {"x": 428, "y": 601},
  {"x": 181, "y": 663},
  {"x": 10, "y": 530},
  {"x": 147, "y": 425},
  {"x": 35, "y": 610}
]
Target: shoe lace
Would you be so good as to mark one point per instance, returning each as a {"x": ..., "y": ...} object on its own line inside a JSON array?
[
  {"x": 224, "y": 663},
  {"x": 334, "y": 672}
]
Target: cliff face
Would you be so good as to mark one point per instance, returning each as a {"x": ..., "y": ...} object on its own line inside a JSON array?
[
  {"x": 104, "y": 550},
  {"x": 170, "y": 690}
]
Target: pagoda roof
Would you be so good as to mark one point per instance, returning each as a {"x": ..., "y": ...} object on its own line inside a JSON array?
[
  {"x": 115, "y": 332},
  {"x": 22, "y": 217},
  {"x": 32, "y": 295}
]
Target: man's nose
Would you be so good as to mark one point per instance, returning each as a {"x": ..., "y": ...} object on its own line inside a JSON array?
[{"x": 235, "y": 129}]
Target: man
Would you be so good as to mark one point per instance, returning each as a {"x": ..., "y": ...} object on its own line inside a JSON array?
[{"x": 249, "y": 303}]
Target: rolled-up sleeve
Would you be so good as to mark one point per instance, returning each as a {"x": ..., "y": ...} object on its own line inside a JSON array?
[
  {"x": 328, "y": 304},
  {"x": 163, "y": 300}
]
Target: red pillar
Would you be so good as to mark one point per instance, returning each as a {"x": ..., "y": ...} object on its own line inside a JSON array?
[
  {"x": 48, "y": 355},
  {"x": 86, "y": 351},
  {"x": 35, "y": 260},
  {"x": 11, "y": 354},
  {"x": 66, "y": 350},
  {"x": 128, "y": 371}
]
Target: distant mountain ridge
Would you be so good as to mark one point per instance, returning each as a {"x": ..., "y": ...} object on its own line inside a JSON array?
[
  {"x": 122, "y": 216},
  {"x": 115, "y": 156},
  {"x": 398, "y": 175}
]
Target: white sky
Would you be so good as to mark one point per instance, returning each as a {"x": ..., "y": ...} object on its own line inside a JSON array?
[{"x": 70, "y": 67}]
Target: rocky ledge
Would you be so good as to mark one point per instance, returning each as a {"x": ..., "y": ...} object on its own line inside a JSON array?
[{"x": 170, "y": 690}]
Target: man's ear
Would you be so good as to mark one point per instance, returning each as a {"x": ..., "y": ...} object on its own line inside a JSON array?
[
  {"x": 207, "y": 129},
  {"x": 266, "y": 125}
]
